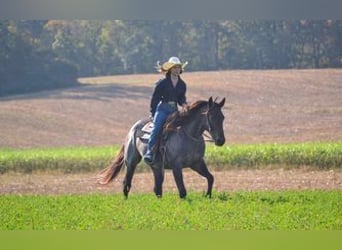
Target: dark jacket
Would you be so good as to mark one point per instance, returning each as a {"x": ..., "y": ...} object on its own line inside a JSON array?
[{"x": 165, "y": 92}]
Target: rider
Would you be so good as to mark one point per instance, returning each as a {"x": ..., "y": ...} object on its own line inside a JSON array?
[{"x": 168, "y": 92}]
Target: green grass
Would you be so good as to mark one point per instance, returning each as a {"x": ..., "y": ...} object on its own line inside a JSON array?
[
  {"x": 320, "y": 155},
  {"x": 304, "y": 210},
  {"x": 82, "y": 159},
  {"x": 67, "y": 160}
]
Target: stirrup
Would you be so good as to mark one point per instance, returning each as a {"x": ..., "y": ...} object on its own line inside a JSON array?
[{"x": 149, "y": 158}]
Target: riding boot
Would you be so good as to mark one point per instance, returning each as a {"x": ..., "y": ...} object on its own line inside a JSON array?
[
  {"x": 162, "y": 112},
  {"x": 149, "y": 157}
]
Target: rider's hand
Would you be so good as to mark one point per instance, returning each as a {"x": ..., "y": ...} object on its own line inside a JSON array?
[{"x": 185, "y": 108}]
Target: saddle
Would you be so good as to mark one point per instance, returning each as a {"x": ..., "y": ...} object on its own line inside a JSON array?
[{"x": 146, "y": 131}]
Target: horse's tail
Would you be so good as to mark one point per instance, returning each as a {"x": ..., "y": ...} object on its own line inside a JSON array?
[{"x": 110, "y": 172}]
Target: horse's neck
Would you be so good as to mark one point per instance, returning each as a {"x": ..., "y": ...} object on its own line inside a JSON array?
[{"x": 196, "y": 127}]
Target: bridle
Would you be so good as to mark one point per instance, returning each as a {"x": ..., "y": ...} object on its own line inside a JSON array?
[{"x": 209, "y": 137}]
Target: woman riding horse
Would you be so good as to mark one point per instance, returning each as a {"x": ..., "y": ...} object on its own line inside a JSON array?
[
  {"x": 183, "y": 147},
  {"x": 168, "y": 93}
]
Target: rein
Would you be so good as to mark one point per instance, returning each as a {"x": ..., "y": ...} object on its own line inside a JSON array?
[
  {"x": 190, "y": 136},
  {"x": 209, "y": 138}
]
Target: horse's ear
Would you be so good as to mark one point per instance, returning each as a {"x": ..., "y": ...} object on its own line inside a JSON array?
[
  {"x": 210, "y": 102},
  {"x": 222, "y": 102}
]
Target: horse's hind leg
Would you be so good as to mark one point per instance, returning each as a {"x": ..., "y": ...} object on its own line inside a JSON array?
[
  {"x": 201, "y": 168},
  {"x": 132, "y": 160},
  {"x": 127, "y": 183}
]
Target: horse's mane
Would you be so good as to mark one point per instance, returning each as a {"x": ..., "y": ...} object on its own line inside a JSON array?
[{"x": 180, "y": 118}]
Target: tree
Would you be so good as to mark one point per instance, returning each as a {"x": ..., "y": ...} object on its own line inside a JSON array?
[{"x": 49, "y": 53}]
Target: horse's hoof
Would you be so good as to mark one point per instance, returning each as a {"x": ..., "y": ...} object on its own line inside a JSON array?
[{"x": 182, "y": 196}]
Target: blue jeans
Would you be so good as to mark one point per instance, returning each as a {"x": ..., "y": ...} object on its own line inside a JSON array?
[{"x": 162, "y": 112}]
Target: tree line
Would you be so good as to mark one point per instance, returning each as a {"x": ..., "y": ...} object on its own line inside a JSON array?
[{"x": 42, "y": 54}]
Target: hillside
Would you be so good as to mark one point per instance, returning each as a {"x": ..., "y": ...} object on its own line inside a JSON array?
[{"x": 262, "y": 106}]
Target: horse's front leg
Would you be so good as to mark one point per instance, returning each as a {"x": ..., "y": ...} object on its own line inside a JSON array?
[
  {"x": 201, "y": 168},
  {"x": 158, "y": 173},
  {"x": 178, "y": 176}
]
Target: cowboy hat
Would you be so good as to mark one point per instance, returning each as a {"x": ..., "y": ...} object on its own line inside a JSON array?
[{"x": 173, "y": 61}]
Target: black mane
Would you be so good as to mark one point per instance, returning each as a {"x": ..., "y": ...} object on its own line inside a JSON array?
[{"x": 180, "y": 118}]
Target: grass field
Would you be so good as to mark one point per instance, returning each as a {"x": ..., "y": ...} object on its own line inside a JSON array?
[
  {"x": 86, "y": 159},
  {"x": 288, "y": 210},
  {"x": 274, "y": 119}
]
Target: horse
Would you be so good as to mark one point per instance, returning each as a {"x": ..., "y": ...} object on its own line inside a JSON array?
[{"x": 181, "y": 145}]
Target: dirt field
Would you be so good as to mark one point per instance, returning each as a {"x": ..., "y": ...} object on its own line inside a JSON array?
[
  {"x": 228, "y": 181},
  {"x": 262, "y": 106}
]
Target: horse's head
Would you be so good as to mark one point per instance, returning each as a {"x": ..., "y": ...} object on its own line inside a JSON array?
[{"x": 215, "y": 119}]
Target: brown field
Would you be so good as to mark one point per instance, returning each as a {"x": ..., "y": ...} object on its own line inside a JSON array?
[{"x": 280, "y": 106}]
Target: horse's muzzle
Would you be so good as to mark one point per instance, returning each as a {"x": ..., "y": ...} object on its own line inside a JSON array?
[{"x": 220, "y": 141}]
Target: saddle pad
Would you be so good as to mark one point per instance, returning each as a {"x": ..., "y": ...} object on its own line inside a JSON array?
[
  {"x": 146, "y": 131},
  {"x": 147, "y": 128}
]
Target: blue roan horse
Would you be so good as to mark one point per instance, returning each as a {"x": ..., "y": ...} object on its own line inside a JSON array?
[{"x": 182, "y": 145}]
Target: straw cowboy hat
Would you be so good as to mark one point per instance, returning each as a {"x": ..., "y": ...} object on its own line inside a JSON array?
[{"x": 173, "y": 61}]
